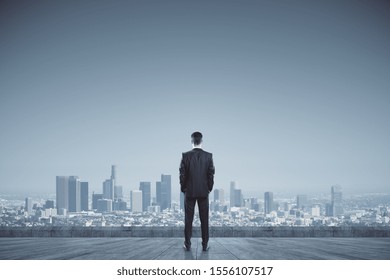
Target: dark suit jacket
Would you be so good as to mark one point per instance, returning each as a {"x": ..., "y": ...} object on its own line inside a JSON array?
[{"x": 197, "y": 173}]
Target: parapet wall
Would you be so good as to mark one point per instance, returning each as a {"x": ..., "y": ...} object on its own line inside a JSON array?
[{"x": 179, "y": 231}]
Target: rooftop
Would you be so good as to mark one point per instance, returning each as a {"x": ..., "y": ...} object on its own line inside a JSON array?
[{"x": 163, "y": 248}]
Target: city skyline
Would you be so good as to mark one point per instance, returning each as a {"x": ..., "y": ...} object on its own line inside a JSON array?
[
  {"x": 302, "y": 210},
  {"x": 289, "y": 98},
  {"x": 72, "y": 196},
  {"x": 76, "y": 207}
]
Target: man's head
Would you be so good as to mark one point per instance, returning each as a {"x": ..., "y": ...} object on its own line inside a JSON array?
[{"x": 196, "y": 138}]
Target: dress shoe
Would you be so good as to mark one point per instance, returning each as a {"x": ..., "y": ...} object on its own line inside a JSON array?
[
  {"x": 187, "y": 247},
  {"x": 206, "y": 247}
]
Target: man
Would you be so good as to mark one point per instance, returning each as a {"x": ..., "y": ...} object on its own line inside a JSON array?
[{"x": 196, "y": 182}]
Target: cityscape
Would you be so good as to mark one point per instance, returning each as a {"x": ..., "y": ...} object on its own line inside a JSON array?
[{"x": 74, "y": 205}]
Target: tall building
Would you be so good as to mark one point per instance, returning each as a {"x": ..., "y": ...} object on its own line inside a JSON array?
[
  {"x": 232, "y": 188},
  {"x": 74, "y": 194},
  {"x": 118, "y": 192},
  {"x": 268, "y": 202},
  {"x": 136, "y": 201},
  {"x": 337, "y": 201},
  {"x": 163, "y": 192},
  {"x": 84, "y": 196},
  {"x": 108, "y": 189},
  {"x": 28, "y": 204},
  {"x": 145, "y": 187},
  {"x": 95, "y": 198},
  {"x": 328, "y": 210},
  {"x": 62, "y": 192},
  {"x": 109, "y": 185},
  {"x": 219, "y": 196},
  {"x": 158, "y": 193},
  {"x": 68, "y": 194},
  {"x": 113, "y": 172},
  {"x": 237, "y": 198}
]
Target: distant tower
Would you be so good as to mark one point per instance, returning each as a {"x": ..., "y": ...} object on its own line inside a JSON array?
[
  {"x": 95, "y": 198},
  {"x": 219, "y": 196},
  {"x": 109, "y": 185},
  {"x": 113, "y": 172},
  {"x": 328, "y": 210},
  {"x": 84, "y": 196},
  {"x": 136, "y": 201},
  {"x": 237, "y": 198},
  {"x": 68, "y": 194},
  {"x": 108, "y": 189},
  {"x": 62, "y": 192},
  {"x": 232, "y": 188},
  {"x": 165, "y": 192},
  {"x": 268, "y": 202},
  {"x": 118, "y": 192},
  {"x": 216, "y": 195},
  {"x": 158, "y": 193},
  {"x": 337, "y": 201},
  {"x": 145, "y": 187},
  {"x": 28, "y": 204},
  {"x": 74, "y": 194}
]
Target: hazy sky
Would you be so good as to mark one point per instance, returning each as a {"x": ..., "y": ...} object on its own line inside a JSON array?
[{"x": 289, "y": 96}]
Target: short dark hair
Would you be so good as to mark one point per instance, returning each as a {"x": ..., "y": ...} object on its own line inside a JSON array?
[{"x": 196, "y": 138}]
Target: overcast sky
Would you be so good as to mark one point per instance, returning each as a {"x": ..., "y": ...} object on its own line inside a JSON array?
[{"x": 289, "y": 97}]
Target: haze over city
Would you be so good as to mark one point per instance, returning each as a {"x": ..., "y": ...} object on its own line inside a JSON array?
[{"x": 289, "y": 98}]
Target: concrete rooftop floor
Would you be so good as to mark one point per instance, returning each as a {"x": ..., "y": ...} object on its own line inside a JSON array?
[{"x": 171, "y": 249}]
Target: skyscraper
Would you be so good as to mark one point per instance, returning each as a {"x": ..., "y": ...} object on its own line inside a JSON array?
[
  {"x": 337, "y": 201},
  {"x": 108, "y": 189},
  {"x": 136, "y": 201},
  {"x": 84, "y": 196},
  {"x": 74, "y": 194},
  {"x": 232, "y": 188},
  {"x": 268, "y": 202},
  {"x": 219, "y": 196},
  {"x": 163, "y": 192},
  {"x": 62, "y": 192},
  {"x": 95, "y": 198},
  {"x": 158, "y": 193},
  {"x": 237, "y": 198},
  {"x": 68, "y": 194},
  {"x": 118, "y": 192},
  {"x": 109, "y": 185},
  {"x": 28, "y": 205},
  {"x": 328, "y": 210},
  {"x": 145, "y": 187},
  {"x": 113, "y": 172}
]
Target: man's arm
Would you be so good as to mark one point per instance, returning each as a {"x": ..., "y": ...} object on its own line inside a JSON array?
[
  {"x": 210, "y": 174},
  {"x": 182, "y": 177}
]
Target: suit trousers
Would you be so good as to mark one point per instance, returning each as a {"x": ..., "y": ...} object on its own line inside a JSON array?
[{"x": 189, "y": 207}]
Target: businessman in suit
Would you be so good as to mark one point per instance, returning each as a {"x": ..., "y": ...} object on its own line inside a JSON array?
[{"x": 196, "y": 182}]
